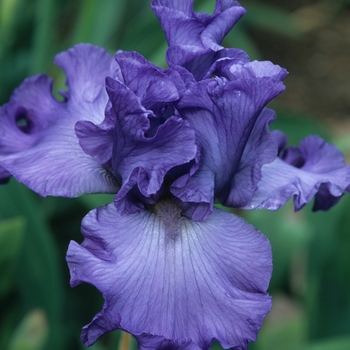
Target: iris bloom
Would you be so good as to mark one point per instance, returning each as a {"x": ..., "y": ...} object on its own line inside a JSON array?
[{"x": 175, "y": 271}]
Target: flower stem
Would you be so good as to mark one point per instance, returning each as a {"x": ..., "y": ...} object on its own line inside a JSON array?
[{"x": 125, "y": 341}]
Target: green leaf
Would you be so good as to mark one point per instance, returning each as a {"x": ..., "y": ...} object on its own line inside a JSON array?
[
  {"x": 93, "y": 201},
  {"x": 97, "y": 24},
  {"x": 297, "y": 126},
  {"x": 273, "y": 18},
  {"x": 238, "y": 37},
  {"x": 11, "y": 239},
  {"x": 279, "y": 335},
  {"x": 341, "y": 343},
  {"x": 8, "y": 9},
  {"x": 328, "y": 300},
  {"x": 31, "y": 333},
  {"x": 38, "y": 272},
  {"x": 43, "y": 38},
  {"x": 288, "y": 233}
]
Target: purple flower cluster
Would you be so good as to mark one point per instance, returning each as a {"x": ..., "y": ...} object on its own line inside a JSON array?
[{"x": 174, "y": 271}]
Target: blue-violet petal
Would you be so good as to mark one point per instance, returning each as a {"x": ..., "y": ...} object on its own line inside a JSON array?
[
  {"x": 231, "y": 127},
  {"x": 315, "y": 168},
  {"x": 172, "y": 281},
  {"x": 194, "y": 38},
  {"x": 38, "y": 145}
]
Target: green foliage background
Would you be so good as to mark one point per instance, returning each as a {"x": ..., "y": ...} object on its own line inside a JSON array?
[{"x": 311, "y": 279}]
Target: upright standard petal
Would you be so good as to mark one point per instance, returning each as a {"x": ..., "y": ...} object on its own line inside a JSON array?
[
  {"x": 171, "y": 281},
  {"x": 147, "y": 81},
  {"x": 140, "y": 139},
  {"x": 38, "y": 145},
  {"x": 231, "y": 127},
  {"x": 141, "y": 160},
  {"x": 315, "y": 168},
  {"x": 194, "y": 38}
]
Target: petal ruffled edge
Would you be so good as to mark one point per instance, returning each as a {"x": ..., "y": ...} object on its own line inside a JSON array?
[
  {"x": 322, "y": 173},
  {"x": 199, "y": 50},
  {"x": 169, "y": 280},
  {"x": 45, "y": 154},
  {"x": 231, "y": 125},
  {"x": 140, "y": 160}
]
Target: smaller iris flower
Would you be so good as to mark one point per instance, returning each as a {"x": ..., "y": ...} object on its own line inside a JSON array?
[{"x": 175, "y": 271}]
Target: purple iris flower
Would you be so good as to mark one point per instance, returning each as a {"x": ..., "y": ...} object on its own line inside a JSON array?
[{"x": 175, "y": 271}]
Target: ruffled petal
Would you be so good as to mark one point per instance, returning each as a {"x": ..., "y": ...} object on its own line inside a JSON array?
[
  {"x": 139, "y": 159},
  {"x": 140, "y": 139},
  {"x": 315, "y": 168},
  {"x": 260, "y": 149},
  {"x": 98, "y": 140},
  {"x": 196, "y": 193},
  {"x": 153, "y": 157},
  {"x": 194, "y": 38},
  {"x": 38, "y": 145},
  {"x": 86, "y": 67},
  {"x": 172, "y": 281},
  {"x": 148, "y": 82},
  {"x": 231, "y": 127}
]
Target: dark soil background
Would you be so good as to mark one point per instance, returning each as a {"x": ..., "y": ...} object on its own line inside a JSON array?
[{"x": 318, "y": 60}]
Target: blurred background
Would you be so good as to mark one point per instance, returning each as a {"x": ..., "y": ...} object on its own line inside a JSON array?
[{"x": 311, "y": 279}]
